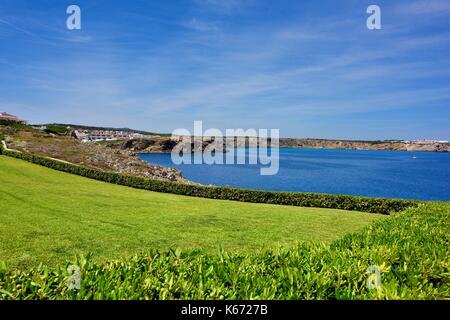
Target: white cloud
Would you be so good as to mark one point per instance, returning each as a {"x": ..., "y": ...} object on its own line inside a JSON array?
[
  {"x": 79, "y": 39},
  {"x": 382, "y": 101},
  {"x": 295, "y": 34},
  {"x": 425, "y": 7},
  {"x": 201, "y": 26},
  {"x": 224, "y": 6},
  {"x": 252, "y": 72}
]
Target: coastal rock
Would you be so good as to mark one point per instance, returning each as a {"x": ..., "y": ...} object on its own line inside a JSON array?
[
  {"x": 166, "y": 144},
  {"x": 92, "y": 154}
]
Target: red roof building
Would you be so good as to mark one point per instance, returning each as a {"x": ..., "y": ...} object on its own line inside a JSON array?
[{"x": 10, "y": 117}]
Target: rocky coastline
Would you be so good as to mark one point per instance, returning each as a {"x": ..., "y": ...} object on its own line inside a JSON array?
[
  {"x": 95, "y": 155},
  {"x": 159, "y": 144}
]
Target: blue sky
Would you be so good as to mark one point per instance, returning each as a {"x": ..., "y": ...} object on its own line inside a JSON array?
[{"x": 308, "y": 68}]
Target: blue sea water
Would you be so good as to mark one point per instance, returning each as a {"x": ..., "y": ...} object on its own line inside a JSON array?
[{"x": 390, "y": 174}]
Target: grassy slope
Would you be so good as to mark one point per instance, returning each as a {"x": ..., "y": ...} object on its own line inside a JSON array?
[
  {"x": 410, "y": 249},
  {"x": 49, "y": 216}
]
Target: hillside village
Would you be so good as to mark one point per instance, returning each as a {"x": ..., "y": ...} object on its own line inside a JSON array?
[{"x": 138, "y": 141}]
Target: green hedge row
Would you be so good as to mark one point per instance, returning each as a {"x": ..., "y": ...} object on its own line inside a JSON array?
[
  {"x": 344, "y": 202},
  {"x": 409, "y": 249}
]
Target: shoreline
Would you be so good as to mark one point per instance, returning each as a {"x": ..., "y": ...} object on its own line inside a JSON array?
[{"x": 349, "y": 149}]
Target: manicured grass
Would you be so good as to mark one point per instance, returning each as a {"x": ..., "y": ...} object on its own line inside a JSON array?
[
  {"x": 48, "y": 216},
  {"x": 410, "y": 250}
]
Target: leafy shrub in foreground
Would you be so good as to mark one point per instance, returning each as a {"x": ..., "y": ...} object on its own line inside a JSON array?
[
  {"x": 410, "y": 248},
  {"x": 344, "y": 202}
]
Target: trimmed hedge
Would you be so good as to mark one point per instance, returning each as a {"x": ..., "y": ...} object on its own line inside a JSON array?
[
  {"x": 303, "y": 199},
  {"x": 410, "y": 250}
]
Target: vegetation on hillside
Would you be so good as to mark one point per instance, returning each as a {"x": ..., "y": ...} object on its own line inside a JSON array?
[
  {"x": 55, "y": 129},
  {"x": 81, "y": 127},
  {"x": 12, "y": 124},
  {"x": 61, "y": 146}
]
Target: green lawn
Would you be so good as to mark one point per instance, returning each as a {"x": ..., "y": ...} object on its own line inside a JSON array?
[{"x": 48, "y": 216}]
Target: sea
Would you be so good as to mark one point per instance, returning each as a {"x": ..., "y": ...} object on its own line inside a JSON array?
[{"x": 372, "y": 173}]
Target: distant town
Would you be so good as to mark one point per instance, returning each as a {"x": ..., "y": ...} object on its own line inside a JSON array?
[
  {"x": 93, "y": 134},
  {"x": 104, "y": 135}
]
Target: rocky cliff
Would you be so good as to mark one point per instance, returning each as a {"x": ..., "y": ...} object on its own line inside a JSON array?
[
  {"x": 166, "y": 144},
  {"x": 95, "y": 155},
  {"x": 363, "y": 145}
]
